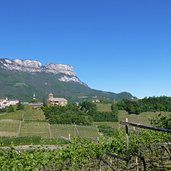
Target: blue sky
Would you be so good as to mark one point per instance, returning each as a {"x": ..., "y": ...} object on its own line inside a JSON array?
[{"x": 113, "y": 45}]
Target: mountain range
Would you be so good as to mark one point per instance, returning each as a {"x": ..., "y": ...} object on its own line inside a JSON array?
[{"x": 21, "y": 79}]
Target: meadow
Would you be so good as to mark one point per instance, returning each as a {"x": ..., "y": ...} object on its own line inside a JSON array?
[{"x": 143, "y": 118}]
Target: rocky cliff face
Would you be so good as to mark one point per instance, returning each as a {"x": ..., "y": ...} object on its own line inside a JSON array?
[{"x": 66, "y": 71}]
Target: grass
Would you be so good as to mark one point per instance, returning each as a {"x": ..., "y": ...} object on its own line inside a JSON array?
[
  {"x": 9, "y": 127},
  {"x": 13, "y": 115},
  {"x": 103, "y": 107},
  {"x": 28, "y": 114},
  {"x": 59, "y": 131},
  {"x": 143, "y": 118},
  {"x": 35, "y": 129},
  {"x": 33, "y": 114},
  {"x": 16, "y": 141},
  {"x": 31, "y": 122}
]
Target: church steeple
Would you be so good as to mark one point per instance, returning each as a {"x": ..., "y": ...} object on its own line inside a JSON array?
[{"x": 34, "y": 96}]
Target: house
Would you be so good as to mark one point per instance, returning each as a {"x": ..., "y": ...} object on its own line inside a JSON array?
[
  {"x": 56, "y": 100},
  {"x": 7, "y": 102},
  {"x": 36, "y": 105},
  {"x": 95, "y": 99}
]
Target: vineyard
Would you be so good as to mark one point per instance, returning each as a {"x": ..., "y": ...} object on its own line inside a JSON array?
[
  {"x": 138, "y": 149},
  {"x": 148, "y": 150},
  {"x": 31, "y": 123}
]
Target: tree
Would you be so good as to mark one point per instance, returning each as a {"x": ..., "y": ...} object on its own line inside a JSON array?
[
  {"x": 3, "y": 110},
  {"x": 10, "y": 109},
  {"x": 114, "y": 109},
  {"x": 88, "y": 107},
  {"x": 44, "y": 102},
  {"x": 20, "y": 106},
  {"x": 162, "y": 121}
]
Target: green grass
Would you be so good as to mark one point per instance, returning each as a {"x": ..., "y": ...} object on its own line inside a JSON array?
[
  {"x": 33, "y": 114},
  {"x": 143, "y": 118},
  {"x": 31, "y": 123},
  {"x": 16, "y": 141},
  {"x": 60, "y": 131},
  {"x": 28, "y": 114},
  {"x": 103, "y": 107},
  {"x": 9, "y": 127},
  {"x": 13, "y": 115},
  {"x": 111, "y": 124},
  {"x": 35, "y": 129}
]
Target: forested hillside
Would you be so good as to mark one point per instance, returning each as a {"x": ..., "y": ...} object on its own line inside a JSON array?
[{"x": 22, "y": 85}]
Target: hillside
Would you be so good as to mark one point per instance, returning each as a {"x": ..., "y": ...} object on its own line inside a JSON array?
[
  {"x": 30, "y": 122},
  {"x": 21, "y": 78}
]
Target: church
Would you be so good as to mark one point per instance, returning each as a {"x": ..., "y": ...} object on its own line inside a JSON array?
[{"x": 56, "y": 100}]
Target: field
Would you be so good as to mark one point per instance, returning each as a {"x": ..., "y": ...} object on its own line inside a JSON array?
[
  {"x": 64, "y": 131},
  {"x": 9, "y": 127},
  {"x": 143, "y": 118},
  {"x": 35, "y": 129},
  {"x": 31, "y": 122},
  {"x": 103, "y": 107},
  {"x": 13, "y": 115}
]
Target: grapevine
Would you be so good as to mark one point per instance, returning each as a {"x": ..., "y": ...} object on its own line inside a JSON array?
[{"x": 147, "y": 149}]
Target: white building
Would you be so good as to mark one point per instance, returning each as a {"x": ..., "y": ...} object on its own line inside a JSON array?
[{"x": 6, "y": 102}]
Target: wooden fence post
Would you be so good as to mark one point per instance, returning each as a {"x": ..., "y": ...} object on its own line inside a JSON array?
[
  {"x": 127, "y": 136},
  {"x": 137, "y": 167},
  {"x": 127, "y": 144}
]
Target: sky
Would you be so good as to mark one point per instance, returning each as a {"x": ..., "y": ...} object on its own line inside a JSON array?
[{"x": 113, "y": 45}]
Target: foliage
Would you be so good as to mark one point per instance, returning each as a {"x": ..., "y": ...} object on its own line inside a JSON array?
[
  {"x": 33, "y": 140},
  {"x": 69, "y": 114},
  {"x": 91, "y": 109},
  {"x": 83, "y": 114},
  {"x": 83, "y": 154},
  {"x": 20, "y": 106},
  {"x": 44, "y": 102},
  {"x": 162, "y": 121},
  {"x": 3, "y": 110},
  {"x": 154, "y": 104},
  {"x": 10, "y": 108},
  {"x": 21, "y": 85},
  {"x": 115, "y": 111},
  {"x": 88, "y": 107},
  {"x": 106, "y": 130}
]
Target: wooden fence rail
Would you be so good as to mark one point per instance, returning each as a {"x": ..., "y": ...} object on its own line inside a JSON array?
[{"x": 146, "y": 127}]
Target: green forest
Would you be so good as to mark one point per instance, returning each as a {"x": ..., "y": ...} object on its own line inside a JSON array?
[{"x": 154, "y": 104}]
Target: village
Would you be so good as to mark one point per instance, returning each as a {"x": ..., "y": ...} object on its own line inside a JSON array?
[
  {"x": 51, "y": 100},
  {"x": 7, "y": 102},
  {"x": 36, "y": 104}
]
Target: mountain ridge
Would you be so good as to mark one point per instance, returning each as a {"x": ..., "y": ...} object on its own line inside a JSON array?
[
  {"x": 22, "y": 78},
  {"x": 36, "y": 66}
]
